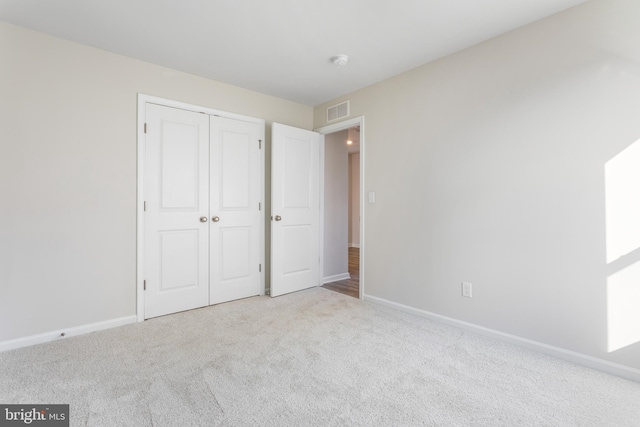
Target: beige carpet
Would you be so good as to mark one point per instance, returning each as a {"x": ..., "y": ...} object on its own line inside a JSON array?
[{"x": 313, "y": 358}]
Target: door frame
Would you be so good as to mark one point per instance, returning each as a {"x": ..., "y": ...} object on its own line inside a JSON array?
[
  {"x": 332, "y": 128},
  {"x": 143, "y": 100}
]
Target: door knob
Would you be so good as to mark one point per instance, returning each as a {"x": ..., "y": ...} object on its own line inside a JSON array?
[
  {"x": 278, "y": 218},
  {"x": 203, "y": 219},
  {"x": 215, "y": 218}
]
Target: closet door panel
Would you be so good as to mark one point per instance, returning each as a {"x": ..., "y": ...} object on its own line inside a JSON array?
[
  {"x": 177, "y": 199},
  {"x": 235, "y": 197}
]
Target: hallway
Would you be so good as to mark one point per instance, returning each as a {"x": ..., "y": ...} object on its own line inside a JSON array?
[{"x": 350, "y": 286}]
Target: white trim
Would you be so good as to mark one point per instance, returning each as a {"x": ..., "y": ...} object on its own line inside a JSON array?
[
  {"x": 142, "y": 102},
  {"x": 336, "y": 127},
  {"x": 143, "y": 99},
  {"x": 560, "y": 353},
  {"x": 263, "y": 208},
  {"x": 336, "y": 278},
  {"x": 142, "y": 113},
  {"x": 354, "y": 245},
  {"x": 322, "y": 148},
  {"x": 70, "y": 332}
]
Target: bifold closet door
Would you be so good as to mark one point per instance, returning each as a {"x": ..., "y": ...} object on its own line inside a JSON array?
[{"x": 176, "y": 218}]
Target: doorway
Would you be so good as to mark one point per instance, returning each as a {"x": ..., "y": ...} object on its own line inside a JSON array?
[{"x": 342, "y": 212}]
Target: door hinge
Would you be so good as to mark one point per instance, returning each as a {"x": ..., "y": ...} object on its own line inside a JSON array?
[
  {"x": 259, "y": 144},
  {"x": 259, "y": 268},
  {"x": 259, "y": 206},
  {"x": 144, "y": 284},
  {"x": 145, "y": 128},
  {"x": 144, "y": 206}
]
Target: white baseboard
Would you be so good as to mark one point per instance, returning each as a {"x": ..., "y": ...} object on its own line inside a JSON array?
[
  {"x": 336, "y": 278},
  {"x": 354, "y": 245},
  {"x": 70, "y": 332},
  {"x": 561, "y": 353}
]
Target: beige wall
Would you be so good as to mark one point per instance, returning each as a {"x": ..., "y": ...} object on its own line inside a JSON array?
[
  {"x": 68, "y": 174},
  {"x": 354, "y": 200},
  {"x": 489, "y": 167}
]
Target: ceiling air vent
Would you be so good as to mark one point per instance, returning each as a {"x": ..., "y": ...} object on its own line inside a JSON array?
[{"x": 338, "y": 111}]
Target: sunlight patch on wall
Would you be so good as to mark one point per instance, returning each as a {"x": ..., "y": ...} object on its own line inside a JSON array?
[
  {"x": 622, "y": 198},
  {"x": 622, "y": 187},
  {"x": 623, "y": 307}
]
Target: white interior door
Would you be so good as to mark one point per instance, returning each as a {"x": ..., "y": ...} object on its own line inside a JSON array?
[
  {"x": 176, "y": 213},
  {"x": 295, "y": 207},
  {"x": 235, "y": 209}
]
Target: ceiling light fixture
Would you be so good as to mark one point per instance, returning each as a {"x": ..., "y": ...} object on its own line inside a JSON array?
[{"x": 340, "y": 59}]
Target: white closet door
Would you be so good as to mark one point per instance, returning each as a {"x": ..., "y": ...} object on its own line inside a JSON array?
[
  {"x": 235, "y": 211},
  {"x": 295, "y": 206},
  {"x": 177, "y": 207}
]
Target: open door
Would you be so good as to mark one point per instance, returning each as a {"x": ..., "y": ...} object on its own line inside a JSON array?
[{"x": 295, "y": 207}]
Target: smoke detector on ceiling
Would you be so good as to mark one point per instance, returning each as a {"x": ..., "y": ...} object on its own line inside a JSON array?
[{"x": 340, "y": 59}]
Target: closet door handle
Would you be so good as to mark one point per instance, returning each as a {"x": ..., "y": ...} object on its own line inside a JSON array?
[
  {"x": 203, "y": 219},
  {"x": 278, "y": 218},
  {"x": 215, "y": 218}
]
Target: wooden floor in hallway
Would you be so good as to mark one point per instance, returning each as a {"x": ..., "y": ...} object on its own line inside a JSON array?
[{"x": 350, "y": 286}]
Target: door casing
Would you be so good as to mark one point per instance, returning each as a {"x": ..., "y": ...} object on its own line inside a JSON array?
[{"x": 142, "y": 102}]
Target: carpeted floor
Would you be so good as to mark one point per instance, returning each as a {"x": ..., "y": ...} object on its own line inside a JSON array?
[{"x": 312, "y": 358}]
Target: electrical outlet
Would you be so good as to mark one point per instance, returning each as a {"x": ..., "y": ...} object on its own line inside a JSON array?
[{"x": 467, "y": 289}]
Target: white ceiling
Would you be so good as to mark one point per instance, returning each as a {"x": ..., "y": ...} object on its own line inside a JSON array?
[{"x": 282, "y": 47}]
